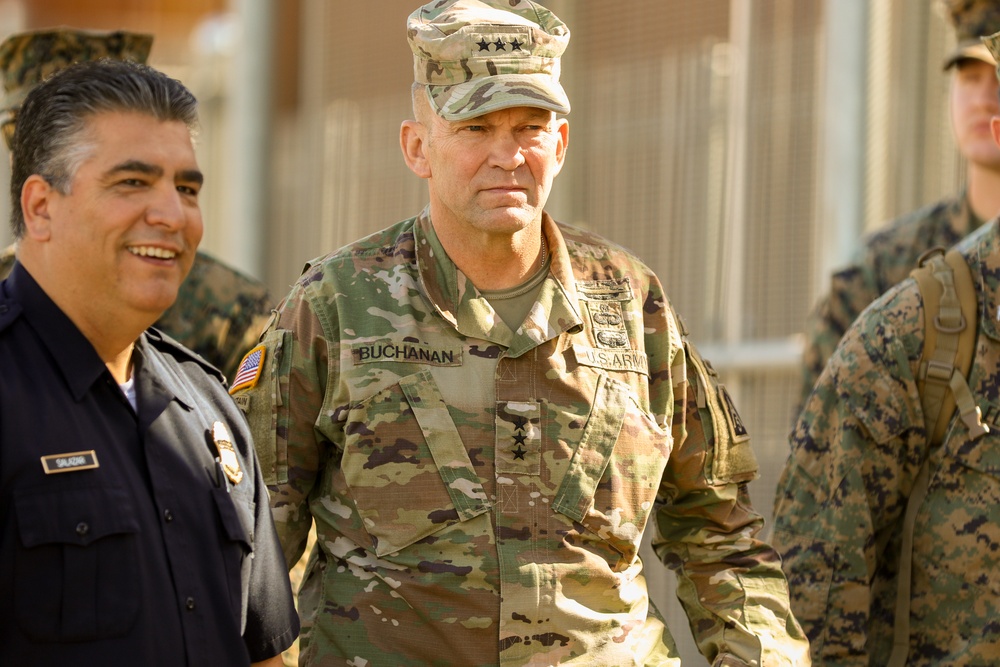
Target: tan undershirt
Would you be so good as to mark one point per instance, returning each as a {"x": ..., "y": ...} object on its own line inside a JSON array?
[{"x": 512, "y": 305}]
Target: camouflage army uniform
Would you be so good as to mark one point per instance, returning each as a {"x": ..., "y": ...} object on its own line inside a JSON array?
[
  {"x": 219, "y": 313},
  {"x": 885, "y": 258},
  {"x": 480, "y": 494},
  {"x": 857, "y": 449}
]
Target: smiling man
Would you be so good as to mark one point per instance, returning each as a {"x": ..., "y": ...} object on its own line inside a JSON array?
[
  {"x": 484, "y": 410},
  {"x": 134, "y": 521}
]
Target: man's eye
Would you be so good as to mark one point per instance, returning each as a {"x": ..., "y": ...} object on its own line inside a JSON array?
[{"x": 188, "y": 190}]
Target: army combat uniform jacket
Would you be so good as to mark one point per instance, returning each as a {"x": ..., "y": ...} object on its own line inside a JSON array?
[
  {"x": 479, "y": 493},
  {"x": 856, "y": 451},
  {"x": 885, "y": 258}
]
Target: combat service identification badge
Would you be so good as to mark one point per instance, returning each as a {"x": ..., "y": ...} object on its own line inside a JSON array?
[
  {"x": 70, "y": 462},
  {"x": 227, "y": 453}
]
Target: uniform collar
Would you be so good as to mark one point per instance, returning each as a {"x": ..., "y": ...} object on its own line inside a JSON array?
[
  {"x": 985, "y": 267},
  {"x": 460, "y": 303},
  {"x": 75, "y": 357}
]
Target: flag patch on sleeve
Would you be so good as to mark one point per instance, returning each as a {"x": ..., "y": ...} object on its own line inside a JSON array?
[{"x": 249, "y": 371}]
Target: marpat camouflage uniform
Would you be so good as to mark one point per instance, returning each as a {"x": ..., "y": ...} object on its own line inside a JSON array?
[
  {"x": 480, "y": 494},
  {"x": 856, "y": 451},
  {"x": 889, "y": 254},
  {"x": 219, "y": 313},
  {"x": 885, "y": 258}
]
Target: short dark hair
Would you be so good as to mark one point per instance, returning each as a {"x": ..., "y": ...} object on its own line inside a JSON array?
[{"x": 49, "y": 136}]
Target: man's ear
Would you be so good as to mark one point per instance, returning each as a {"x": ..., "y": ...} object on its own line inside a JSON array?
[
  {"x": 36, "y": 198},
  {"x": 413, "y": 142},
  {"x": 562, "y": 128}
]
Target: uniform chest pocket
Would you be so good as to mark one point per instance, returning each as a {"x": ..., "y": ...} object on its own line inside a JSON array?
[
  {"x": 615, "y": 472},
  {"x": 406, "y": 466},
  {"x": 76, "y": 575}
]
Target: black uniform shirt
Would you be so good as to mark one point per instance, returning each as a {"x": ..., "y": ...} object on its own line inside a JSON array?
[{"x": 155, "y": 556}]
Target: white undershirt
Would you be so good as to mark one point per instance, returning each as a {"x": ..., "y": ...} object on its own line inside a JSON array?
[{"x": 128, "y": 388}]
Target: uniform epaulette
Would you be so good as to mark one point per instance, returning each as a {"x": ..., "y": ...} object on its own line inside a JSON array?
[{"x": 165, "y": 343}]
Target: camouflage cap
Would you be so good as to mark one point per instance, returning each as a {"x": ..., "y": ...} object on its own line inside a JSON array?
[
  {"x": 27, "y": 58},
  {"x": 478, "y": 56},
  {"x": 972, "y": 20}
]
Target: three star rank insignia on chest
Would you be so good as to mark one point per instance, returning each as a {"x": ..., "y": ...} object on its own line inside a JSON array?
[
  {"x": 228, "y": 459},
  {"x": 518, "y": 437}
]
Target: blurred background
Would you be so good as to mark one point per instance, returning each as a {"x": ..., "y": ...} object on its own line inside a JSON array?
[{"x": 740, "y": 147}]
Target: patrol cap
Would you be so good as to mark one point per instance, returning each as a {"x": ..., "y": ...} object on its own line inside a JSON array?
[
  {"x": 972, "y": 20},
  {"x": 27, "y": 58},
  {"x": 478, "y": 56}
]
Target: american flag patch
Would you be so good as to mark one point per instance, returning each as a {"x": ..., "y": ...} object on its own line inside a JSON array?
[{"x": 249, "y": 371}]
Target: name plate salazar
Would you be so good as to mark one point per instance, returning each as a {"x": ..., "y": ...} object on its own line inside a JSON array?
[{"x": 69, "y": 462}]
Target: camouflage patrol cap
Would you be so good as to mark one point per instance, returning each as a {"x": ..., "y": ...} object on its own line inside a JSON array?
[
  {"x": 478, "y": 56},
  {"x": 27, "y": 58},
  {"x": 972, "y": 19}
]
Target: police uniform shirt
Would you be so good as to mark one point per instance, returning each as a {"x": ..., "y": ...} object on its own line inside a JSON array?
[{"x": 122, "y": 540}]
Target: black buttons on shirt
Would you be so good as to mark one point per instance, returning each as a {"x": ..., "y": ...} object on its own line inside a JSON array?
[
  {"x": 168, "y": 516},
  {"x": 82, "y": 528},
  {"x": 189, "y": 603}
]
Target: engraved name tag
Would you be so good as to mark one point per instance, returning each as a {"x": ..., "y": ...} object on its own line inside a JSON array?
[{"x": 69, "y": 462}]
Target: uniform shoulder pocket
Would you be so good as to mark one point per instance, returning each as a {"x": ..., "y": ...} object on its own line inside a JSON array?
[
  {"x": 260, "y": 389},
  {"x": 732, "y": 459}
]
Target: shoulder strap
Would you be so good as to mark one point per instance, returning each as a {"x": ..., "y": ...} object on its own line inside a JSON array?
[{"x": 950, "y": 322}]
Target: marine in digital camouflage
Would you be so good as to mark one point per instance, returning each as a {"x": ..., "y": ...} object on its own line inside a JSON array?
[
  {"x": 889, "y": 254},
  {"x": 856, "y": 451},
  {"x": 27, "y": 58},
  {"x": 885, "y": 258},
  {"x": 219, "y": 312},
  {"x": 972, "y": 20},
  {"x": 480, "y": 494}
]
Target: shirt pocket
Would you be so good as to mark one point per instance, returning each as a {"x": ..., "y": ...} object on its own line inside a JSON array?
[
  {"x": 406, "y": 467},
  {"x": 76, "y": 574},
  {"x": 237, "y": 547},
  {"x": 613, "y": 476}
]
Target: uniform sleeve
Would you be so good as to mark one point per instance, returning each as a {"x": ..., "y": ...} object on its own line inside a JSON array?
[
  {"x": 856, "y": 450},
  {"x": 851, "y": 290},
  {"x": 284, "y": 408},
  {"x": 729, "y": 581}
]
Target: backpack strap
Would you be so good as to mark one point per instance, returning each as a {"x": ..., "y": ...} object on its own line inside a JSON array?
[
  {"x": 950, "y": 319},
  {"x": 950, "y": 322}
]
